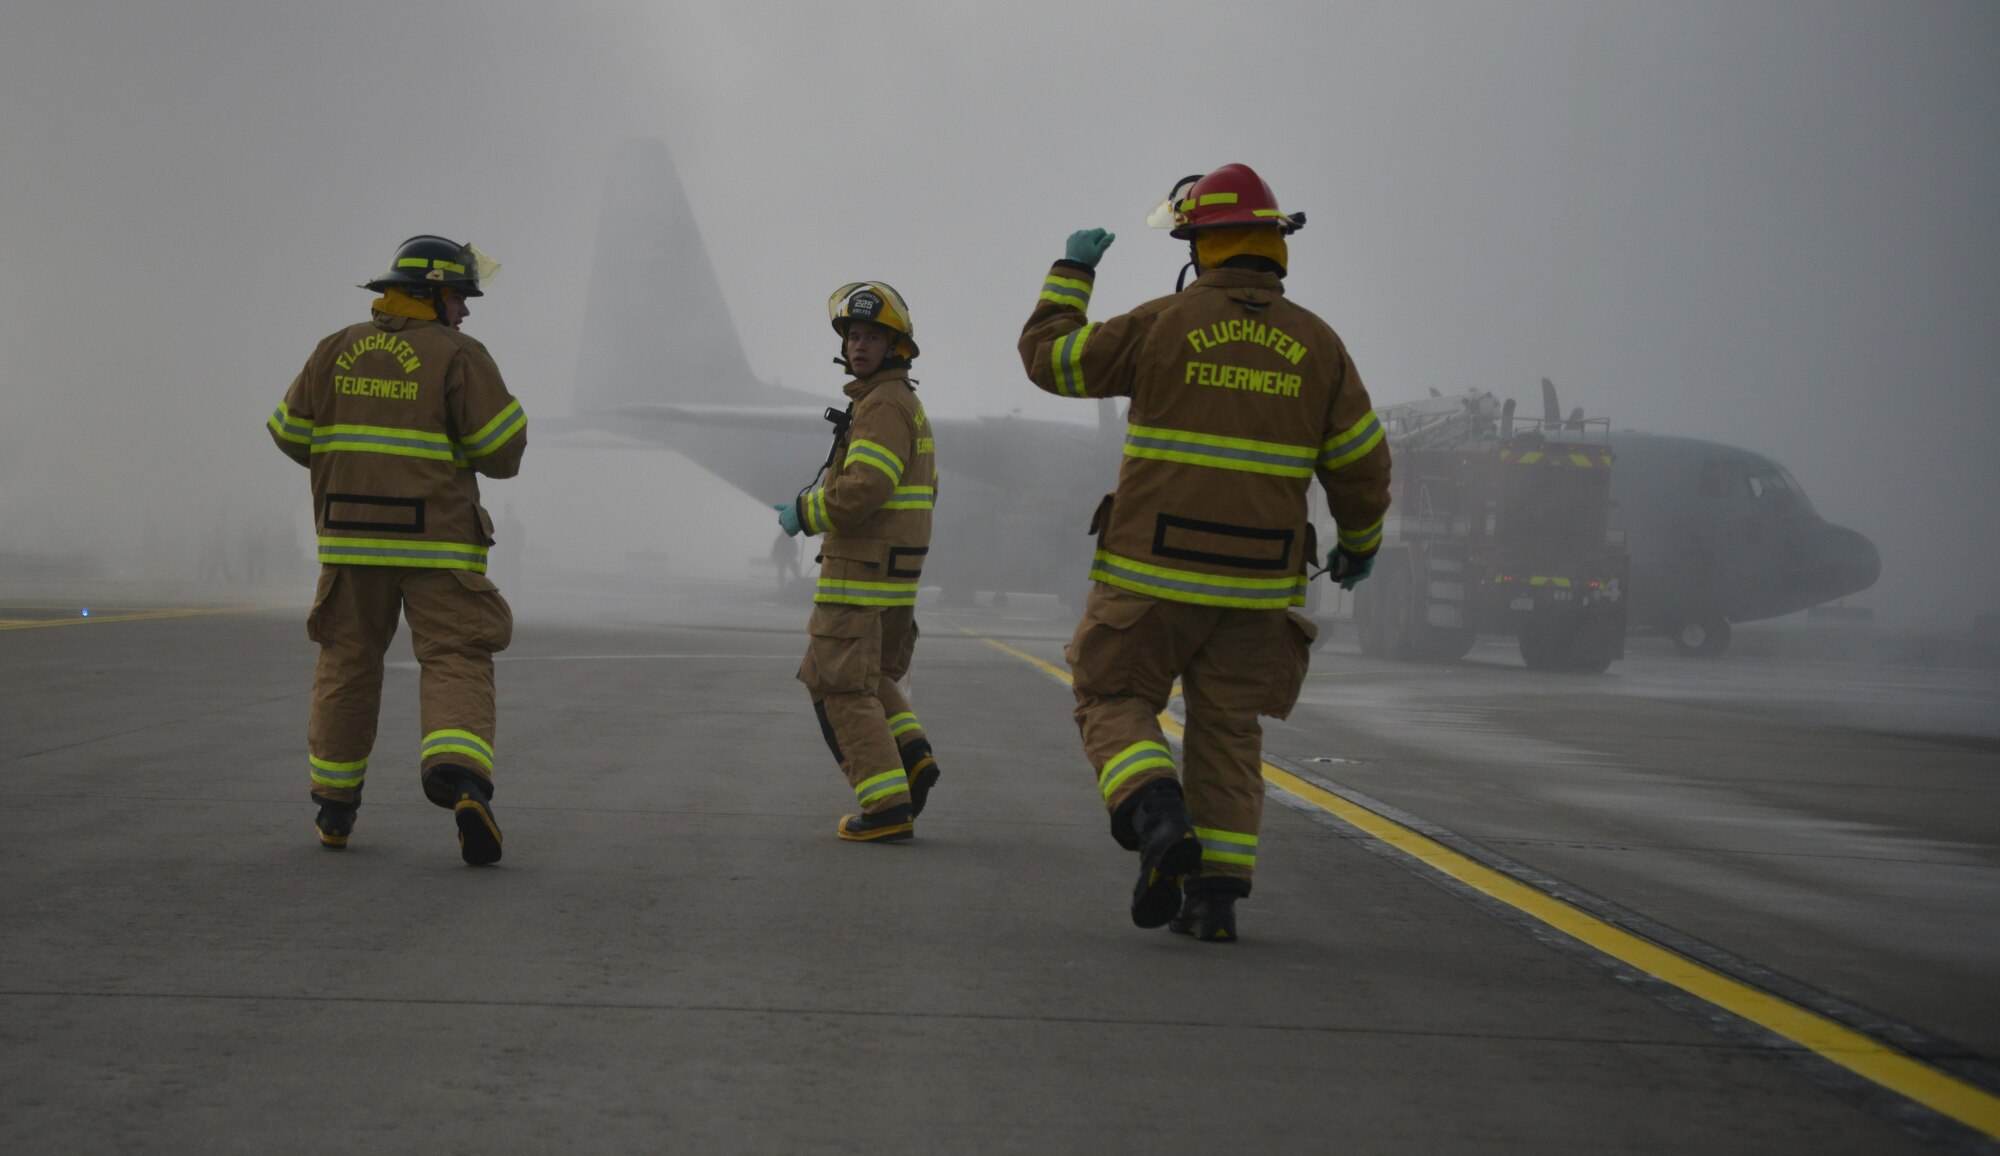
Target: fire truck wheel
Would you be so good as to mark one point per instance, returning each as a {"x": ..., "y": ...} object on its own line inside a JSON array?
[
  {"x": 1707, "y": 638},
  {"x": 1443, "y": 643}
]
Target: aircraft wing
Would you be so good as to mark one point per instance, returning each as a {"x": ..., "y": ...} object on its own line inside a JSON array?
[{"x": 794, "y": 419}]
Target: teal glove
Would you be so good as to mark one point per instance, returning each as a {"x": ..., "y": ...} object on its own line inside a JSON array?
[
  {"x": 788, "y": 519},
  {"x": 1086, "y": 246},
  {"x": 1347, "y": 569}
]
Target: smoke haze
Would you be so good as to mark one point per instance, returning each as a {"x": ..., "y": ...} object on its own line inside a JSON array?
[{"x": 1771, "y": 225}]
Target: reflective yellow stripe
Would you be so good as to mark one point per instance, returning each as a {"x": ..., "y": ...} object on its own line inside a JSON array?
[
  {"x": 459, "y": 742},
  {"x": 1352, "y": 443},
  {"x": 391, "y": 552},
  {"x": 875, "y": 454},
  {"x": 328, "y": 773},
  {"x": 1194, "y": 586},
  {"x": 904, "y": 723},
  {"x": 413, "y": 263},
  {"x": 911, "y": 498},
  {"x": 1146, "y": 755},
  {"x": 849, "y": 592},
  {"x": 281, "y": 423},
  {"x": 1066, "y": 291},
  {"x": 1066, "y": 361},
  {"x": 1364, "y": 539},
  {"x": 881, "y": 786},
  {"x": 498, "y": 432},
  {"x": 1219, "y": 846},
  {"x": 1222, "y": 453}
]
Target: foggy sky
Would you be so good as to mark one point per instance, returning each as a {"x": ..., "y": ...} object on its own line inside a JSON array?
[{"x": 1770, "y": 224}]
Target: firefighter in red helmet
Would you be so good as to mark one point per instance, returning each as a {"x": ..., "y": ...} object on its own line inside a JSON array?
[{"x": 1239, "y": 399}]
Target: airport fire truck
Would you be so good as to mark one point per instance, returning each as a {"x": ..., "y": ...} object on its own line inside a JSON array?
[{"x": 1498, "y": 526}]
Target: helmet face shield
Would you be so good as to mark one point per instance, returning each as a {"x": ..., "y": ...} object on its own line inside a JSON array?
[
  {"x": 1167, "y": 214},
  {"x": 484, "y": 268}
]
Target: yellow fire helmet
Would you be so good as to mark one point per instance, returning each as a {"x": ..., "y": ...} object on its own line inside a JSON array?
[{"x": 873, "y": 301}]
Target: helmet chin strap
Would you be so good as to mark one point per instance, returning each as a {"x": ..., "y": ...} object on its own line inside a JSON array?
[{"x": 1192, "y": 263}]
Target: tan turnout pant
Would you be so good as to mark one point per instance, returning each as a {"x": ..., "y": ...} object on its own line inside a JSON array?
[
  {"x": 856, "y": 657},
  {"x": 1233, "y": 665},
  {"x": 458, "y": 620}
]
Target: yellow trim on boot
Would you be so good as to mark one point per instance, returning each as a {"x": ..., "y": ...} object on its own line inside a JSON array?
[{"x": 871, "y": 834}]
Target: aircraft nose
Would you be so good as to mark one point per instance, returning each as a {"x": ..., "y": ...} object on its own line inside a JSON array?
[{"x": 1849, "y": 561}]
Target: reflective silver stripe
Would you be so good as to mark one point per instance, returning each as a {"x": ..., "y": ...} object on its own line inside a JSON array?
[
  {"x": 380, "y": 552},
  {"x": 1188, "y": 586},
  {"x": 1352, "y": 444},
  {"x": 498, "y": 432},
  {"x": 1067, "y": 361},
  {"x": 1140, "y": 756},
  {"x": 912, "y": 498},
  {"x": 426, "y": 447},
  {"x": 881, "y": 786},
  {"x": 1219, "y": 846},
  {"x": 904, "y": 723},
  {"x": 1202, "y": 450},
  {"x": 282, "y": 424},
  {"x": 1363, "y": 539},
  {"x": 881, "y": 459},
  {"x": 1066, "y": 291}
]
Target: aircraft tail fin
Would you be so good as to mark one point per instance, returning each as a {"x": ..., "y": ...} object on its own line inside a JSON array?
[{"x": 657, "y": 328}]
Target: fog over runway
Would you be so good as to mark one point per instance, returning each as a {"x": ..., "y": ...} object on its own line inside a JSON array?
[{"x": 1461, "y": 864}]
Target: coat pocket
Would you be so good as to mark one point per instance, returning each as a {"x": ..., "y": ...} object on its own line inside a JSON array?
[
  {"x": 1107, "y": 654},
  {"x": 845, "y": 653},
  {"x": 488, "y": 618},
  {"x": 1288, "y": 672},
  {"x": 329, "y": 576}
]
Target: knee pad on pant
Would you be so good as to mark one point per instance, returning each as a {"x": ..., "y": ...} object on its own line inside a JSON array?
[{"x": 826, "y": 731}]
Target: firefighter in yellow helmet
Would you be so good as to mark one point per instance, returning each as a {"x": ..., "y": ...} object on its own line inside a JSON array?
[
  {"x": 1239, "y": 399},
  {"x": 872, "y": 503},
  {"x": 396, "y": 417}
]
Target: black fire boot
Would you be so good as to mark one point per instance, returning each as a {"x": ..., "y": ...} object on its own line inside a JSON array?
[
  {"x": 334, "y": 824},
  {"x": 470, "y": 798},
  {"x": 922, "y": 768},
  {"x": 1168, "y": 850},
  {"x": 1209, "y": 914},
  {"x": 889, "y": 825}
]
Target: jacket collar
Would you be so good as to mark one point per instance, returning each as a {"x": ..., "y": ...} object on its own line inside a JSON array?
[
  {"x": 1226, "y": 278},
  {"x": 861, "y": 387}
]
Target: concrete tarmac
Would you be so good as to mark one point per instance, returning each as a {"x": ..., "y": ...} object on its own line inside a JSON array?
[{"x": 676, "y": 955}]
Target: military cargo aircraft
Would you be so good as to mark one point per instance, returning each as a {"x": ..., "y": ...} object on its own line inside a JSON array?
[{"x": 1717, "y": 535}]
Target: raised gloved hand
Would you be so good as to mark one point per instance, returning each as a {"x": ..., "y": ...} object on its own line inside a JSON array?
[
  {"x": 788, "y": 518},
  {"x": 1086, "y": 246},
  {"x": 1346, "y": 569}
]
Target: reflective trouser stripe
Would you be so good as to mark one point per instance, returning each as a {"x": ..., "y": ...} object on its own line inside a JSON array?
[
  {"x": 1140, "y": 756},
  {"x": 455, "y": 742},
  {"x": 882, "y": 786},
  {"x": 328, "y": 773},
  {"x": 1363, "y": 540},
  {"x": 852, "y": 593},
  {"x": 1192, "y": 586},
  {"x": 1218, "y": 846},
  {"x": 902, "y": 724},
  {"x": 390, "y": 552},
  {"x": 1351, "y": 444}
]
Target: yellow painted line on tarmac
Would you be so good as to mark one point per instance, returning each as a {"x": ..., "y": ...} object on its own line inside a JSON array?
[
  {"x": 1868, "y": 1058},
  {"x": 135, "y": 616}
]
